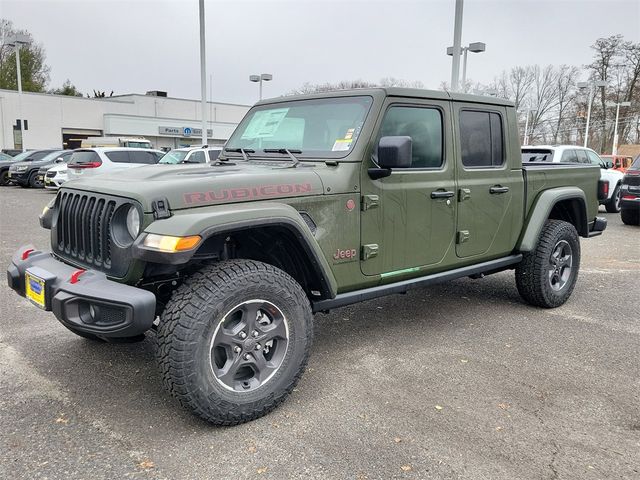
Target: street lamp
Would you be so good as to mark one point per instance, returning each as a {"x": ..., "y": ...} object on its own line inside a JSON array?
[
  {"x": 475, "y": 47},
  {"x": 614, "y": 149},
  {"x": 592, "y": 86},
  {"x": 16, "y": 41},
  {"x": 264, "y": 77},
  {"x": 203, "y": 74}
]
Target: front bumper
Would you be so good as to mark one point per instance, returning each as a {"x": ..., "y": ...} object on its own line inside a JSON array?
[
  {"x": 21, "y": 178},
  {"x": 94, "y": 304},
  {"x": 597, "y": 226}
]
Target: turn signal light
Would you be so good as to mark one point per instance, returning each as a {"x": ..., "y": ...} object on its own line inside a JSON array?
[{"x": 167, "y": 243}]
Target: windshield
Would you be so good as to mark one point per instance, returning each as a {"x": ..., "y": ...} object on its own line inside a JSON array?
[
  {"x": 636, "y": 163},
  {"x": 326, "y": 127},
  {"x": 174, "y": 156},
  {"x": 538, "y": 155},
  {"x": 52, "y": 156}
]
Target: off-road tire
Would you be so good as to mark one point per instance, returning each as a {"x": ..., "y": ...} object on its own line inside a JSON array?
[
  {"x": 532, "y": 273},
  {"x": 613, "y": 205},
  {"x": 4, "y": 178},
  {"x": 190, "y": 321},
  {"x": 630, "y": 216}
]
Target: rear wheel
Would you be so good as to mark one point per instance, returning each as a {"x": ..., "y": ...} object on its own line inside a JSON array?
[
  {"x": 613, "y": 205},
  {"x": 630, "y": 216},
  {"x": 234, "y": 340},
  {"x": 547, "y": 275}
]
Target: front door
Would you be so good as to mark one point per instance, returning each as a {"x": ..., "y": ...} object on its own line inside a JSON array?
[
  {"x": 489, "y": 182},
  {"x": 408, "y": 218}
]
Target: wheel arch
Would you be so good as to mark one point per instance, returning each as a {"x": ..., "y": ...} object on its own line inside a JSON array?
[{"x": 565, "y": 203}]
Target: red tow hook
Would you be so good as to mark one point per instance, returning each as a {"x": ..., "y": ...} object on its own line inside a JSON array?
[
  {"x": 26, "y": 253},
  {"x": 75, "y": 276}
]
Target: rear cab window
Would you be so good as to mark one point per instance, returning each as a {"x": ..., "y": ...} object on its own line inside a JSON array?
[
  {"x": 84, "y": 157},
  {"x": 481, "y": 139},
  {"x": 569, "y": 156}
]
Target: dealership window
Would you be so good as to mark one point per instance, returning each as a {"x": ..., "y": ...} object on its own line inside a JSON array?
[
  {"x": 424, "y": 126},
  {"x": 481, "y": 139}
]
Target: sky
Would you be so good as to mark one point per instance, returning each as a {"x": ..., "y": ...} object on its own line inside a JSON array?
[{"x": 136, "y": 46}]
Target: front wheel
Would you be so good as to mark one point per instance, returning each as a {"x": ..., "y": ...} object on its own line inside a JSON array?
[
  {"x": 4, "y": 178},
  {"x": 613, "y": 205},
  {"x": 234, "y": 340},
  {"x": 547, "y": 275}
]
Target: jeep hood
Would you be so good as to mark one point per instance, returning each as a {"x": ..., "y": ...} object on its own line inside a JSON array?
[{"x": 188, "y": 186}]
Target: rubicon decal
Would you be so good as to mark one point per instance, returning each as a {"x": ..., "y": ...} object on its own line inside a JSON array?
[{"x": 248, "y": 193}]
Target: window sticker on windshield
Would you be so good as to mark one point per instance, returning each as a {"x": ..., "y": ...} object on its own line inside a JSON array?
[
  {"x": 349, "y": 134},
  {"x": 265, "y": 123},
  {"x": 341, "y": 145}
]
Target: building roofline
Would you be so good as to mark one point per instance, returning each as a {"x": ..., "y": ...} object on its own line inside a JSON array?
[{"x": 118, "y": 98}]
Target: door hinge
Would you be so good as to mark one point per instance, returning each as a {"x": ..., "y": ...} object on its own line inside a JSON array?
[
  {"x": 463, "y": 236},
  {"x": 370, "y": 201},
  {"x": 369, "y": 251},
  {"x": 464, "y": 194}
]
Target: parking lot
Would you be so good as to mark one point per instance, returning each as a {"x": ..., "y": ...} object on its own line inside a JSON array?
[{"x": 461, "y": 380}]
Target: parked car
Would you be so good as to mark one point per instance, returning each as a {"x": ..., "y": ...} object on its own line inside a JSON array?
[
  {"x": 56, "y": 176},
  {"x": 5, "y": 162},
  {"x": 132, "y": 142},
  {"x": 59, "y": 160},
  {"x": 87, "y": 162},
  {"x": 619, "y": 162},
  {"x": 630, "y": 195},
  {"x": 204, "y": 154},
  {"x": 12, "y": 152},
  {"x": 228, "y": 261},
  {"x": 575, "y": 154},
  {"x": 25, "y": 172}
]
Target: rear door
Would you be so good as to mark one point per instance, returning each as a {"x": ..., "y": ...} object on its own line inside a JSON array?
[
  {"x": 490, "y": 182},
  {"x": 408, "y": 218}
]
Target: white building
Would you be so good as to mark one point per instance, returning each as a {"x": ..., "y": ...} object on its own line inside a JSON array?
[{"x": 59, "y": 121}]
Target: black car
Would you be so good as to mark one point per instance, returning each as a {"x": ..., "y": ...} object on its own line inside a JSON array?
[
  {"x": 25, "y": 172},
  {"x": 630, "y": 194},
  {"x": 6, "y": 161}
]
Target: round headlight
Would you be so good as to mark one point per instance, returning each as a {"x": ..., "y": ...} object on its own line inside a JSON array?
[{"x": 133, "y": 222}]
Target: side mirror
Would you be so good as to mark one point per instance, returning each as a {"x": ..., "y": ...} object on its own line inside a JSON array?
[
  {"x": 393, "y": 152},
  {"x": 606, "y": 164},
  {"x": 59, "y": 160}
]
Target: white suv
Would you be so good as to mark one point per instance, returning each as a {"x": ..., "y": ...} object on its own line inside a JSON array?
[
  {"x": 204, "y": 154},
  {"x": 575, "y": 154},
  {"x": 94, "y": 161}
]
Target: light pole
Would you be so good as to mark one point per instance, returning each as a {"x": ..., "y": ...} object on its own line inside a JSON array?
[
  {"x": 457, "y": 40},
  {"x": 592, "y": 86},
  {"x": 475, "y": 47},
  {"x": 203, "y": 75},
  {"x": 263, "y": 77},
  {"x": 16, "y": 41},
  {"x": 525, "y": 139},
  {"x": 614, "y": 149}
]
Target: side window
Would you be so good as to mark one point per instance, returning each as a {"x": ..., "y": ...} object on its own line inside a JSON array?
[
  {"x": 569, "y": 156},
  {"x": 582, "y": 156},
  {"x": 118, "y": 156},
  {"x": 213, "y": 155},
  {"x": 198, "y": 157},
  {"x": 424, "y": 126},
  {"x": 594, "y": 158},
  {"x": 481, "y": 139}
]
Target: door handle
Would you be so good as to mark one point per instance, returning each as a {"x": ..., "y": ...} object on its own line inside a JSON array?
[
  {"x": 498, "y": 189},
  {"x": 442, "y": 194}
]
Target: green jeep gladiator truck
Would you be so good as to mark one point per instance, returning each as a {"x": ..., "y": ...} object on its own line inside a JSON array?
[{"x": 317, "y": 202}]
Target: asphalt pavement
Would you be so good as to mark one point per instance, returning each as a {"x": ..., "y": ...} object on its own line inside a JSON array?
[{"x": 461, "y": 380}]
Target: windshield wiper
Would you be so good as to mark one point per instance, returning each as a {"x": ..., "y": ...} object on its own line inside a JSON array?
[
  {"x": 286, "y": 151},
  {"x": 243, "y": 151}
]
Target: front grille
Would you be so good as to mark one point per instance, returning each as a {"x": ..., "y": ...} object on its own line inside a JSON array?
[{"x": 83, "y": 233}]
